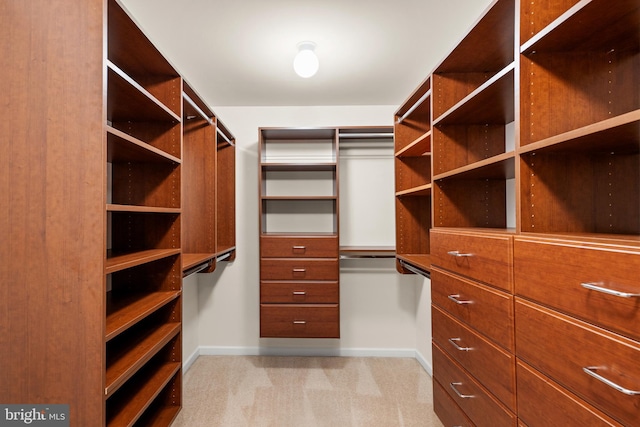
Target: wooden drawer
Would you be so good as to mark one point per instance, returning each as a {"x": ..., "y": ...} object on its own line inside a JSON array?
[
  {"x": 447, "y": 410},
  {"x": 299, "y": 247},
  {"x": 489, "y": 364},
  {"x": 490, "y": 311},
  {"x": 481, "y": 408},
  {"x": 543, "y": 403},
  {"x": 552, "y": 272},
  {"x": 299, "y": 269},
  {"x": 484, "y": 257},
  {"x": 561, "y": 347},
  {"x": 300, "y": 321},
  {"x": 300, "y": 292}
]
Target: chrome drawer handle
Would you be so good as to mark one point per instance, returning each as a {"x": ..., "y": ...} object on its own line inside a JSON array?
[
  {"x": 458, "y": 254},
  {"x": 455, "y": 299},
  {"x": 299, "y": 270},
  {"x": 454, "y": 342},
  {"x": 594, "y": 287},
  {"x": 590, "y": 371},
  {"x": 299, "y": 248},
  {"x": 299, "y": 292},
  {"x": 299, "y": 322},
  {"x": 460, "y": 395}
]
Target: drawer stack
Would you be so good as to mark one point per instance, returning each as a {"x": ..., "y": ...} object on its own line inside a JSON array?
[
  {"x": 577, "y": 310},
  {"x": 473, "y": 335},
  {"x": 299, "y": 291}
]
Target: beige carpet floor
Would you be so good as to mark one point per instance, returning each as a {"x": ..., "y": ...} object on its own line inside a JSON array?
[{"x": 265, "y": 391}]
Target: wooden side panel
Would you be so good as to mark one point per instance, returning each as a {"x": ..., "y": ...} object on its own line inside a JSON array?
[{"x": 52, "y": 198}]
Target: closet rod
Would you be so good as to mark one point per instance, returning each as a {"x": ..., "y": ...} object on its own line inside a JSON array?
[
  {"x": 415, "y": 270},
  {"x": 223, "y": 257},
  {"x": 195, "y": 107},
  {"x": 414, "y": 106},
  {"x": 365, "y": 256},
  {"x": 196, "y": 269},
  {"x": 366, "y": 135},
  {"x": 224, "y": 136}
]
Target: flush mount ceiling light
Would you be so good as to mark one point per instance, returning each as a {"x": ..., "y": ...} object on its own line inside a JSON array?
[{"x": 306, "y": 62}]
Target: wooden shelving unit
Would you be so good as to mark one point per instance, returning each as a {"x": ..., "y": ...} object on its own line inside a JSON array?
[
  {"x": 413, "y": 139},
  {"x": 299, "y": 255},
  {"x": 143, "y": 135},
  {"x": 535, "y": 242}
]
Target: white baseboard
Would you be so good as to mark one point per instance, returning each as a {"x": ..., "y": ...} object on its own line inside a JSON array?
[
  {"x": 186, "y": 364},
  {"x": 425, "y": 364}
]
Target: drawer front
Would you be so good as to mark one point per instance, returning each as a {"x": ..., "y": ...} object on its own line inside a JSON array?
[
  {"x": 562, "y": 347},
  {"x": 553, "y": 272},
  {"x": 446, "y": 409},
  {"x": 300, "y": 321},
  {"x": 488, "y": 310},
  {"x": 487, "y": 258},
  {"x": 542, "y": 403},
  {"x": 481, "y": 408},
  {"x": 300, "y": 292},
  {"x": 299, "y": 269},
  {"x": 298, "y": 247},
  {"x": 491, "y": 366}
]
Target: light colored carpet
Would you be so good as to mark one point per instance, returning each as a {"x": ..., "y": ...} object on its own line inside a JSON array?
[{"x": 265, "y": 391}]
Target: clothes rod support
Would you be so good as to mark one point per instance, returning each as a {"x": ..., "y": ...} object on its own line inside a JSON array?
[
  {"x": 415, "y": 270},
  {"x": 223, "y": 257},
  {"x": 224, "y": 136},
  {"x": 414, "y": 106},
  {"x": 195, "y": 107}
]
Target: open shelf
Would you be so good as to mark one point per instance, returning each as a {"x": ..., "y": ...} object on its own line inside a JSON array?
[
  {"x": 420, "y": 191},
  {"x": 122, "y": 147},
  {"x": 419, "y": 147},
  {"x": 121, "y": 261},
  {"x": 126, "y": 361},
  {"x": 419, "y": 262},
  {"x": 141, "y": 209},
  {"x": 413, "y": 121},
  {"x": 124, "y": 311}
]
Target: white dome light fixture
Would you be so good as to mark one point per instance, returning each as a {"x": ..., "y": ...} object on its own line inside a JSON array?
[{"x": 306, "y": 62}]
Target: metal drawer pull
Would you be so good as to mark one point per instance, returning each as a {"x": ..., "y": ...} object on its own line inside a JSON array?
[
  {"x": 458, "y": 254},
  {"x": 595, "y": 287},
  {"x": 299, "y": 322},
  {"x": 299, "y": 270},
  {"x": 455, "y": 299},
  {"x": 299, "y": 247},
  {"x": 590, "y": 371},
  {"x": 299, "y": 292},
  {"x": 460, "y": 395},
  {"x": 454, "y": 342}
]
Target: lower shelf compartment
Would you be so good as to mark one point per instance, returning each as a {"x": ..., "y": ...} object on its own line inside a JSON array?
[
  {"x": 128, "y": 405},
  {"x": 299, "y": 321}
]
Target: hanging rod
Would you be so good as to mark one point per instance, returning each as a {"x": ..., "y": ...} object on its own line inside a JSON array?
[
  {"x": 415, "y": 270},
  {"x": 225, "y": 137},
  {"x": 366, "y": 135},
  {"x": 414, "y": 106},
  {"x": 223, "y": 257},
  {"x": 196, "y": 269},
  {"x": 195, "y": 107},
  {"x": 366, "y": 256}
]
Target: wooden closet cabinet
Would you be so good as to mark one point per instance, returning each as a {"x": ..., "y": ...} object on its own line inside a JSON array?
[
  {"x": 299, "y": 253},
  {"x": 535, "y": 238}
]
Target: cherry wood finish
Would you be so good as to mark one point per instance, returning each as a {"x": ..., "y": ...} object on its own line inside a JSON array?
[
  {"x": 489, "y": 312},
  {"x": 560, "y": 347},
  {"x": 474, "y": 399},
  {"x": 448, "y": 411},
  {"x": 225, "y": 192},
  {"x": 299, "y": 271},
  {"x": 484, "y": 257},
  {"x": 300, "y": 321},
  {"x": 552, "y": 271},
  {"x": 298, "y": 246},
  {"x": 488, "y": 363},
  {"x": 307, "y": 292},
  {"x": 542, "y": 403}
]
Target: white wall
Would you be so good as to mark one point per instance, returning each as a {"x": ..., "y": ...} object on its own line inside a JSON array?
[{"x": 382, "y": 312}]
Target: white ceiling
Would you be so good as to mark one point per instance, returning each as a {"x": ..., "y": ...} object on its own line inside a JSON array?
[{"x": 240, "y": 52}]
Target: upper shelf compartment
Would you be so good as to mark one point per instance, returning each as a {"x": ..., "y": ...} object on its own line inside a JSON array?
[
  {"x": 132, "y": 52},
  {"x": 586, "y": 25},
  {"x": 412, "y": 125},
  {"x": 486, "y": 50},
  {"x": 299, "y": 147}
]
